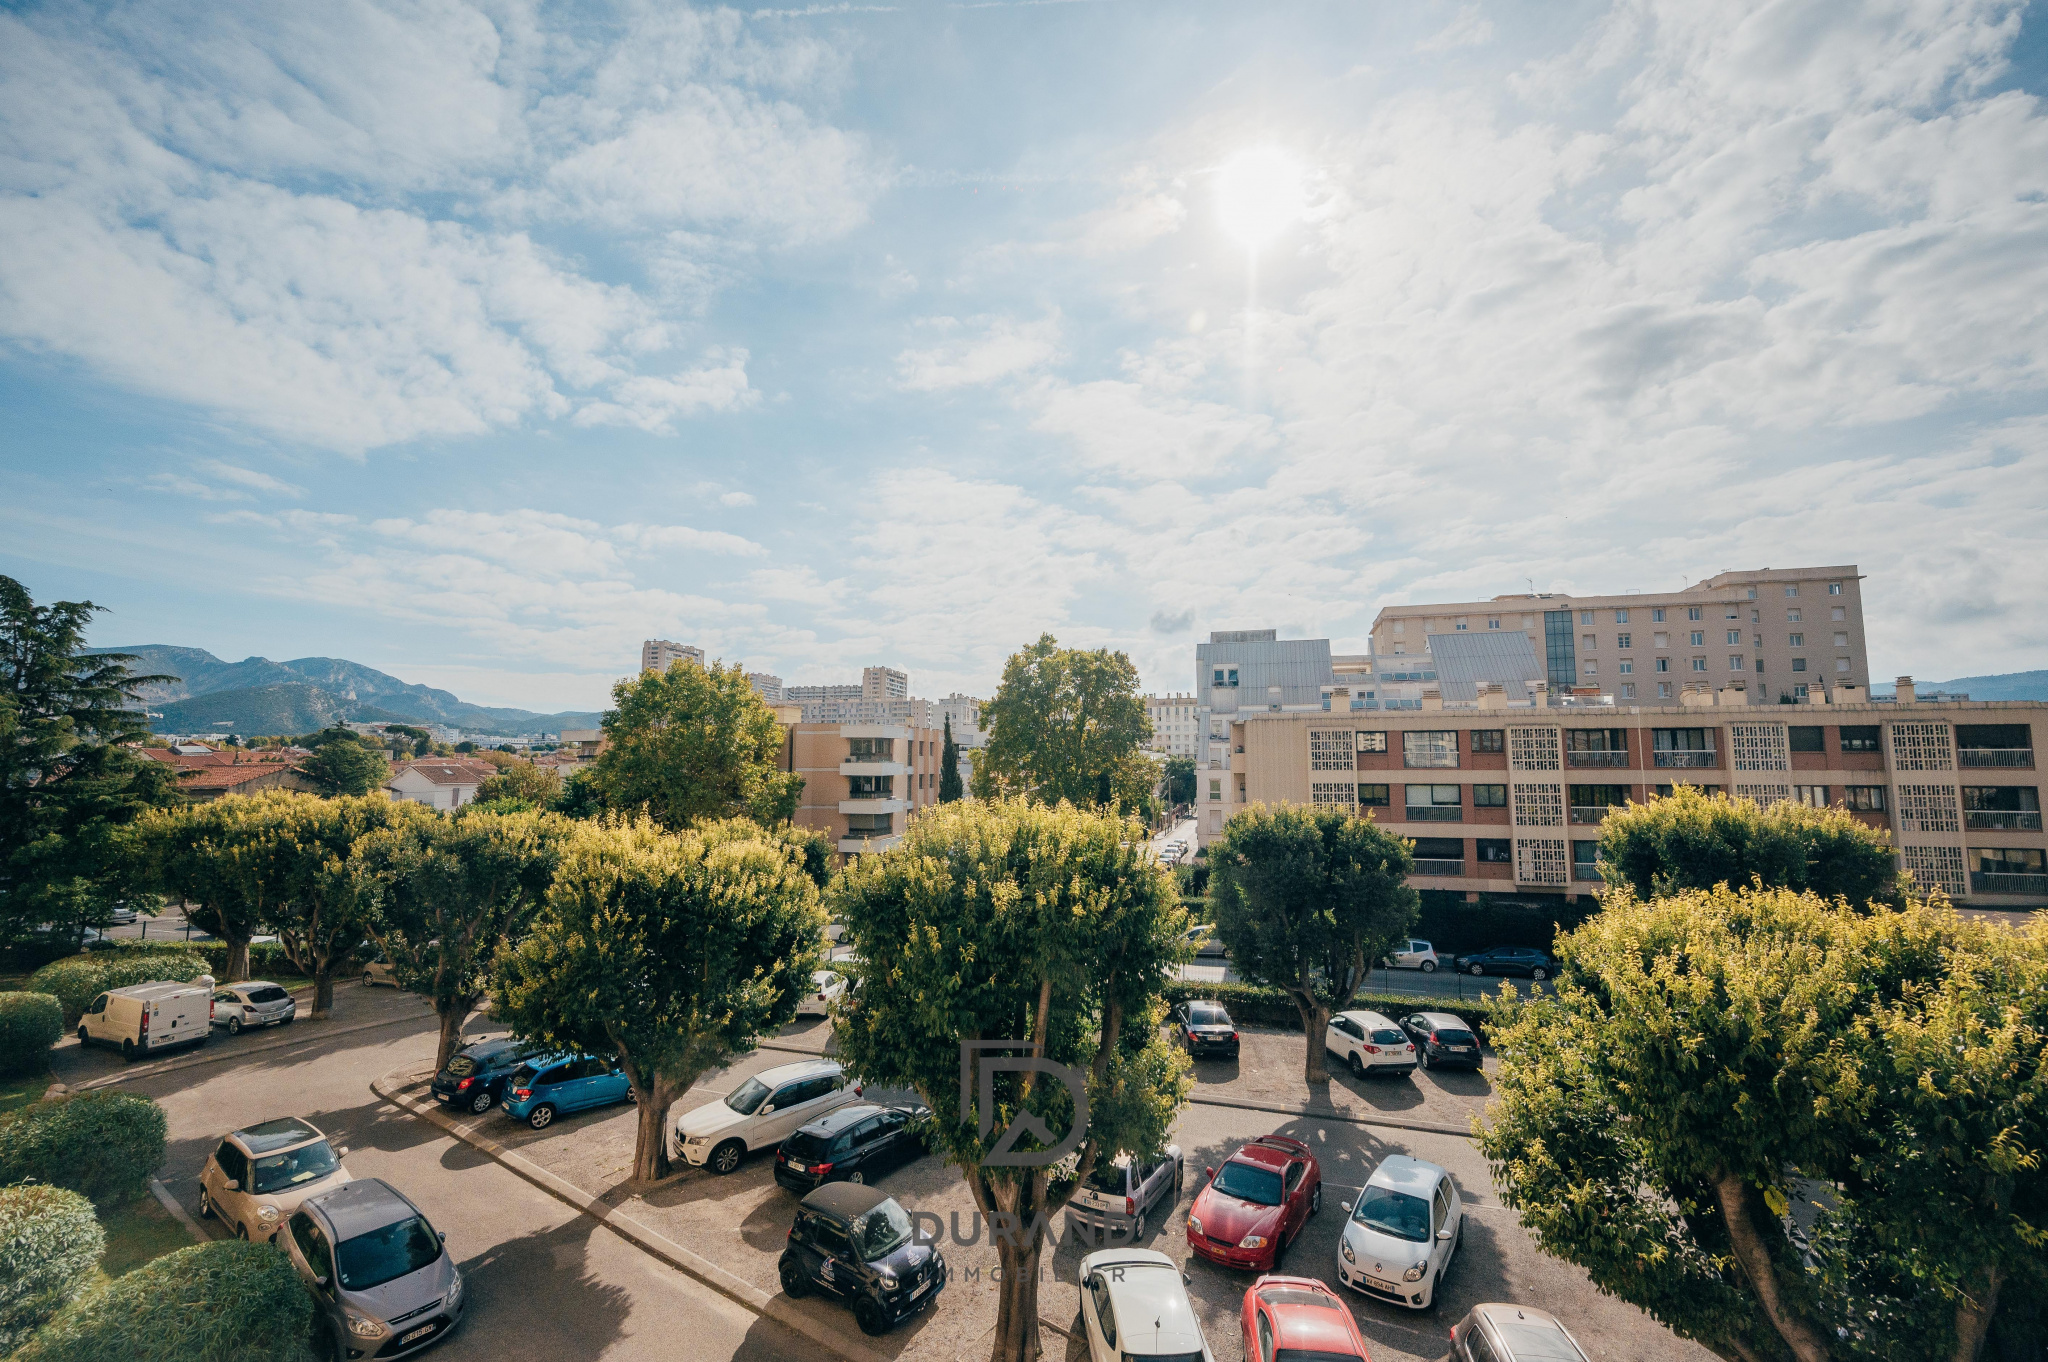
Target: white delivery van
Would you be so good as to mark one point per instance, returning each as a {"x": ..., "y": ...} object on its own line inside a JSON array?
[{"x": 144, "y": 1018}]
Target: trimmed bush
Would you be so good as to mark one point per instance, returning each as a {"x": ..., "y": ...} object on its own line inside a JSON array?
[
  {"x": 77, "y": 979},
  {"x": 227, "y": 1301},
  {"x": 103, "y": 1145},
  {"x": 266, "y": 958},
  {"x": 1255, "y": 1004},
  {"x": 49, "y": 1243},
  {"x": 29, "y": 1025}
]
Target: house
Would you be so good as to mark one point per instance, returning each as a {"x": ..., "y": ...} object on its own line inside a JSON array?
[
  {"x": 438, "y": 782},
  {"x": 205, "y": 775}
]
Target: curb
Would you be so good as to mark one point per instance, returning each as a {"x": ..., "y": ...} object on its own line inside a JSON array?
[
  {"x": 194, "y": 1061},
  {"x": 771, "y": 1306},
  {"x": 183, "y": 1217},
  {"x": 1393, "y": 1123}
]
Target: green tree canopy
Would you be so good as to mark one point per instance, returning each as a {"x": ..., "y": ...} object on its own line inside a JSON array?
[
  {"x": 1180, "y": 780},
  {"x": 949, "y": 767},
  {"x": 1306, "y": 898},
  {"x": 1023, "y": 922},
  {"x": 1067, "y": 724},
  {"x": 674, "y": 952},
  {"x": 1693, "y": 840},
  {"x": 347, "y": 768},
  {"x": 692, "y": 744},
  {"x": 539, "y": 787},
  {"x": 209, "y": 857}
]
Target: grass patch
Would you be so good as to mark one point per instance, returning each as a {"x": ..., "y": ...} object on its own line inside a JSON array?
[
  {"x": 139, "y": 1232},
  {"x": 17, "y": 1092}
]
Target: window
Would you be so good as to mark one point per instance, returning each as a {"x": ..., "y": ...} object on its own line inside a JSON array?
[
  {"x": 1735, "y": 662},
  {"x": 1864, "y": 798},
  {"x": 1838, "y": 613},
  {"x": 1585, "y": 617},
  {"x": 1375, "y": 796},
  {"x": 1699, "y": 664},
  {"x": 1663, "y": 687},
  {"x": 1680, "y": 740},
  {"x": 1757, "y": 640},
  {"x": 1692, "y": 612},
  {"x": 1734, "y": 637},
  {"x": 870, "y": 787},
  {"x": 1439, "y": 849},
  {"x": 312, "y": 1243},
  {"x": 1816, "y": 795},
  {"x": 1496, "y": 850},
  {"x": 1752, "y": 594},
  {"x": 1592, "y": 668},
  {"x": 1434, "y": 797},
  {"x": 1798, "y": 692},
  {"x": 1796, "y": 640},
  {"x": 1664, "y": 665},
  {"x": 1660, "y": 640},
  {"x": 1798, "y": 664},
  {"x": 1585, "y": 860},
  {"x": 1834, "y": 588},
  {"x": 1841, "y": 664},
  {"x": 1215, "y": 789},
  {"x": 1665, "y": 791},
  {"x": 1596, "y": 740},
  {"x": 1372, "y": 742},
  {"x": 1806, "y": 738},
  {"x": 1698, "y": 638},
  {"x": 1493, "y": 621},
  {"x": 1624, "y": 640},
  {"x": 1429, "y": 749},
  {"x": 1657, "y": 614},
  {"x": 1460, "y": 623},
  {"x": 1560, "y": 659},
  {"x": 1489, "y": 796},
  {"x": 1841, "y": 639},
  {"x": 1792, "y": 616},
  {"x": 1597, "y": 796},
  {"x": 1626, "y": 666},
  {"x": 1224, "y": 676},
  {"x": 1621, "y": 617},
  {"x": 2009, "y": 860},
  {"x": 1628, "y": 688},
  {"x": 1489, "y": 740}
]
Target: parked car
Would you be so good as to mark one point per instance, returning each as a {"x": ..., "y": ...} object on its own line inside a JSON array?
[
  {"x": 477, "y": 1075},
  {"x": 1256, "y": 1203},
  {"x": 384, "y": 1284},
  {"x": 539, "y": 1090},
  {"x": 379, "y": 971},
  {"x": 827, "y": 986},
  {"x": 1123, "y": 1198},
  {"x": 1443, "y": 1041},
  {"x": 1413, "y": 955},
  {"x": 121, "y": 915},
  {"x": 1370, "y": 1044},
  {"x": 143, "y": 1019},
  {"x": 855, "y": 1143},
  {"x": 1404, "y": 1229},
  {"x": 1299, "y": 1317},
  {"x": 765, "y": 1110},
  {"x": 258, "y": 1175},
  {"x": 255, "y": 1003},
  {"x": 1513, "y": 1333},
  {"x": 1134, "y": 1303},
  {"x": 1523, "y": 960},
  {"x": 1206, "y": 1029},
  {"x": 856, "y": 1243}
]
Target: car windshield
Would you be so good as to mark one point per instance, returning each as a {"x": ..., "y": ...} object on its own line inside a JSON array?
[
  {"x": 1395, "y": 1213},
  {"x": 295, "y": 1166},
  {"x": 1455, "y": 1038},
  {"x": 386, "y": 1253},
  {"x": 747, "y": 1098},
  {"x": 881, "y": 1231},
  {"x": 1249, "y": 1182},
  {"x": 273, "y": 994},
  {"x": 1389, "y": 1036},
  {"x": 824, "y": 979},
  {"x": 1208, "y": 1016},
  {"x": 1109, "y": 1177}
]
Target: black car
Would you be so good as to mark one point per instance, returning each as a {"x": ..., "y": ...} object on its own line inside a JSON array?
[
  {"x": 857, "y": 1243},
  {"x": 854, "y": 1143},
  {"x": 475, "y": 1077},
  {"x": 1442, "y": 1041},
  {"x": 1524, "y": 960},
  {"x": 1206, "y": 1029}
]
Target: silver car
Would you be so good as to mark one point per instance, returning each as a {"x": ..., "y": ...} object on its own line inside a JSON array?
[
  {"x": 383, "y": 1282},
  {"x": 1512, "y": 1333},
  {"x": 255, "y": 1003}
]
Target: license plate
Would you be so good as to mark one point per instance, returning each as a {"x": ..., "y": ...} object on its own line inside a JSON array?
[
  {"x": 922, "y": 1289},
  {"x": 441, "y": 1097},
  {"x": 418, "y": 1333}
]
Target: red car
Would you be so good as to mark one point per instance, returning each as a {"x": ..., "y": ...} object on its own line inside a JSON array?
[
  {"x": 1256, "y": 1203},
  {"x": 1299, "y": 1317}
]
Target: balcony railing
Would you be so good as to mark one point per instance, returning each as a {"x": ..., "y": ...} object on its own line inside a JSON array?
[
  {"x": 1439, "y": 867},
  {"x": 1585, "y": 870},
  {"x": 1436, "y": 813},
  {"x": 2003, "y": 820},
  {"x": 1996, "y": 756},
  {"x": 1596, "y": 759},
  {"x": 1996, "y": 882},
  {"x": 1590, "y": 813},
  {"x": 1688, "y": 761}
]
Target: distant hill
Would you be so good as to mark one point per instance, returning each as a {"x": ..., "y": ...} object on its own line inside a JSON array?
[
  {"x": 2005, "y": 686},
  {"x": 262, "y": 696}
]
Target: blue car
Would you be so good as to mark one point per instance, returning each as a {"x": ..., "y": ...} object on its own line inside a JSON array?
[{"x": 542, "y": 1089}]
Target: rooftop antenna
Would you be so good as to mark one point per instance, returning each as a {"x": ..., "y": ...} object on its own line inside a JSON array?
[{"x": 1532, "y": 584}]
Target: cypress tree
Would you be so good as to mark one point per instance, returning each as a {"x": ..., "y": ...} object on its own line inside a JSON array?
[{"x": 949, "y": 767}]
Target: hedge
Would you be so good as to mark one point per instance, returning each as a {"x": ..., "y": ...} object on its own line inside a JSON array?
[
  {"x": 103, "y": 1145},
  {"x": 265, "y": 957},
  {"x": 50, "y": 1241},
  {"x": 29, "y": 1025},
  {"x": 227, "y": 1301},
  {"x": 77, "y": 979},
  {"x": 1258, "y": 1004}
]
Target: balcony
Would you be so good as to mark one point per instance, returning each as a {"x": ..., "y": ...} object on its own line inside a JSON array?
[
  {"x": 873, "y": 766},
  {"x": 2022, "y": 757},
  {"x": 1590, "y": 813},
  {"x": 1689, "y": 761},
  {"x": 876, "y": 805},
  {"x": 2003, "y": 820},
  {"x": 1993, "y": 882},
  {"x": 1596, "y": 759},
  {"x": 1586, "y": 870},
  {"x": 1439, "y": 867},
  {"x": 1434, "y": 813}
]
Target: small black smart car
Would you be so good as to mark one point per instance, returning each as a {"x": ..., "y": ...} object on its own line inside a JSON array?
[{"x": 856, "y": 1242}]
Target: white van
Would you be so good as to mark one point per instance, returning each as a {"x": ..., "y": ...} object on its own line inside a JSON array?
[{"x": 145, "y": 1018}]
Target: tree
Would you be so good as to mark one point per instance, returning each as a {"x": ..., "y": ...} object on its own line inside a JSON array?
[
  {"x": 1016, "y": 921},
  {"x": 1693, "y": 840},
  {"x": 450, "y": 893},
  {"x": 694, "y": 743},
  {"x": 1180, "y": 780},
  {"x": 347, "y": 768},
  {"x": 949, "y": 767},
  {"x": 673, "y": 952},
  {"x": 205, "y": 856},
  {"x": 582, "y": 796},
  {"x": 1712, "y": 1057},
  {"x": 1305, "y": 898},
  {"x": 1066, "y": 724},
  {"x": 538, "y": 786}
]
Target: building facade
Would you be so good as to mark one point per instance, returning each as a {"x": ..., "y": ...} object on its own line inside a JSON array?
[
  {"x": 657, "y": 653},
  {"x": 1176, "y": 724},
  {"x": 863, "y": 781},
  {"x": 437, "y": 782},
  {"x": 1510, "y": 800}
]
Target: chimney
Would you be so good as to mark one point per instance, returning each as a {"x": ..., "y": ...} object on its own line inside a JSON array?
[
  {"x": 1849, "y": 693},
  {"x": 1432, "y": 698},
  {"x": 1816, "y": 694},
  {"x": 1696, "y": 694},
  {"x": 1734, "y": 693},
  {"x": 1904, "y": 694},
  {"x": 1492, "y": 695}
]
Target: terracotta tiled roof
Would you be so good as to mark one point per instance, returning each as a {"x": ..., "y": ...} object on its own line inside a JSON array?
[
  {"x": 231, "y": 777},
  {"x": 449, "y": 772}
]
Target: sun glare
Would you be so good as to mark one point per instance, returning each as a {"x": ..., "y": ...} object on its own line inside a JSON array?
[{"x": 1259, "y": 194}]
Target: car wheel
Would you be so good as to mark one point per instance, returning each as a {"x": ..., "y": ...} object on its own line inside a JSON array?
[
  {"x": 481, "y": 1103},
  {"x": 83, "y": 1035},
  {"x": 794, "y": 1282},
  {"x": 726, "y": 1158},
  {"x": 1315, "y": 1199},
  {"x": 868, "y": 1315},
  {"x": 127, "y": 1049},
  {"x": 205, "y": 1203},
  {"x": 1429, "y": 967},
  {"x": 1422, "y": 1056},
  {"x": 857, "y": 1177},
  {"x": 289, "y": 1018},
  {"x": 542, "y": 1116},
  {"x": 1357, "y": 1065},
  {"x": 234, "y": 1026},
  {"x": 1539, "y": 974},
  {"x": 1475, "y": 969}
]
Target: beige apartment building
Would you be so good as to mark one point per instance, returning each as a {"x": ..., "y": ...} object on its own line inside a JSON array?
[
  {"x": 1176, "y": 724},
  {"x": 1783, "y": 632},
  {"x": 1510, "y": 800},
  {"x": 862, "y": 781},
  {"x": 657, "y": 653}
]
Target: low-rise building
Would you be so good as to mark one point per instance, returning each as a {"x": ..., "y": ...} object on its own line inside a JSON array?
[
  {"x": 440, "y": 783},
  {"x": 580, "y": 744},
  {"x": 204, "y": 774},
  {"x": 863, "y": 781}
]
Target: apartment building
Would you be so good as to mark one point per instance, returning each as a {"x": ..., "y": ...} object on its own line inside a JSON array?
[
  {"x": 1510, "y": 800},
  {"x": 657, "y": 653},
  {"x": 1784, "y": 632},
  {"x": 1176, "y": 724},
  {"x": 1241, "y": 670},
  {"x": 862, "y": 781},
  {"x": 767, "y": 685}
]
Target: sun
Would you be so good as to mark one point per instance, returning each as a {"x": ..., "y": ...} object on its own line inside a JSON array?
[{"x": 1259, "y": 194}]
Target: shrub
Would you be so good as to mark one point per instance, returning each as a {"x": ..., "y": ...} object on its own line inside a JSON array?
[
  {"x": 227, "y": 1301},
  {"x": 49, "y": 1242},
  {"x": 29, "y": 1025},
  {"x": 1257, "y": 1004},
  {"x": 76, "y": 980},
  {"x": 103, "y": 1145}
]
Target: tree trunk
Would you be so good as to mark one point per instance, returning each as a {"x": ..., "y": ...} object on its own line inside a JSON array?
[
  {"x": 1017, "y": 1338},
  {"x": 451, "y": 1033},
  {"x": 238, "y": 959},
  {"x": 1739, "y": 1203},
  {"x": 323, "y": 990},
  {"x": 1315, "y": 1023},
  {"x": 650, "y": 1135},
  {"x": 1973, "y": 1316}
]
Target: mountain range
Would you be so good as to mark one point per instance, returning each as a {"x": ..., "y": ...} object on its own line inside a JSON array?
[
  {"x": 258, "y": 696},
  {"x": 2005, "y": 686}
]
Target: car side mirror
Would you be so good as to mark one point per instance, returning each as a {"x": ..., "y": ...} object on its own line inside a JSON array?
[
  {"x": 321, "y": 1282},
  {"x": 232, "y": 1185},
  {"x": 1209, "y": 1173},
  {"x": 1440, "y": 1234},
  {"x": 444, "y": 1235},
  {"x": 1347, "y": 1207},
  {"x": 341, "y": 1152},
  {"x": 768, "y": 1110}
]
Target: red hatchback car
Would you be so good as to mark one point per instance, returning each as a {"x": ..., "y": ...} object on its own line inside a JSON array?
[
  {"x": 1256, "y": 1203},
  {"x": 1289, "y": 1317}
]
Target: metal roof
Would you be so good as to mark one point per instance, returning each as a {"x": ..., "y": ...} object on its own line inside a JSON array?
[{"x": 1463, "y": 660}]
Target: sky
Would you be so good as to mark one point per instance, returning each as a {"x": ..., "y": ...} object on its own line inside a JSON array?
[{"x": 479, "y": 342}]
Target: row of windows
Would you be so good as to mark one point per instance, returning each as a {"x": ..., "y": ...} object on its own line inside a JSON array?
[
  {"x": 1871, "y": 798},
  {"x": 1621, "y": 616},
  {"x": 1424, "y": 749}
]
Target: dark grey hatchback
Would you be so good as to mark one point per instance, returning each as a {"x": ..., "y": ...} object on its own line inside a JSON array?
[
  {"x": 858, "y": 1243},
  {"x": 383, "y": 1282}
]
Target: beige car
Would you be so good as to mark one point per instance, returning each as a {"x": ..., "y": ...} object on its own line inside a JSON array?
[
  {"x": 379, "y": 971},
  {"x": 259, "y": 1175}
]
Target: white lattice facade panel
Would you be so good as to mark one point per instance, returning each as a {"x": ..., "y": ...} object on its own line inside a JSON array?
[
  {"x": 1534, "y": 749},
  {"x": 1332, "y": 794},
  {"x": 1759, "y": 747},
  {"x": 1928, "y": 808},
  {"x": 1922, "y": 747},
  {"x": 1937, "y": 868},
  {"x": 1764, "y": 795},
  {"x": 1541, "y": 860},
  {"x": 1539, "y": 805},
  {"x": 1331, "y": 749}
]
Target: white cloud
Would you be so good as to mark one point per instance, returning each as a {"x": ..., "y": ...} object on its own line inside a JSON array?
[
  {"x": 737, "y": 499},
  {"x": 1469, "y": 29},
  {"x": 652, "y": 404},
  {"x": 249, "y": 477},
  {"x": 979, "y": 351}
]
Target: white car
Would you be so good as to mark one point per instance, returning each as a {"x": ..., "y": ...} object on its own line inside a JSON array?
[
  {"x": 258, "y": 1002},
  {"x": 1401, "y": 1232},
  {"x": 1369, "y": 1043},
  {"x": 826, "y": 988},
  {"x": 759, "y": 1113},
  {"x": 1413, "y": 955},
  {"x": 1134, "y": 1303},
  {"x": 1124, "y": 1198}
]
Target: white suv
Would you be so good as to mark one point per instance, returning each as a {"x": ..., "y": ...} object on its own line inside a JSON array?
[
  {"x": 1369, "y": 1043},
  {"x": 759, "y": 1113}
]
